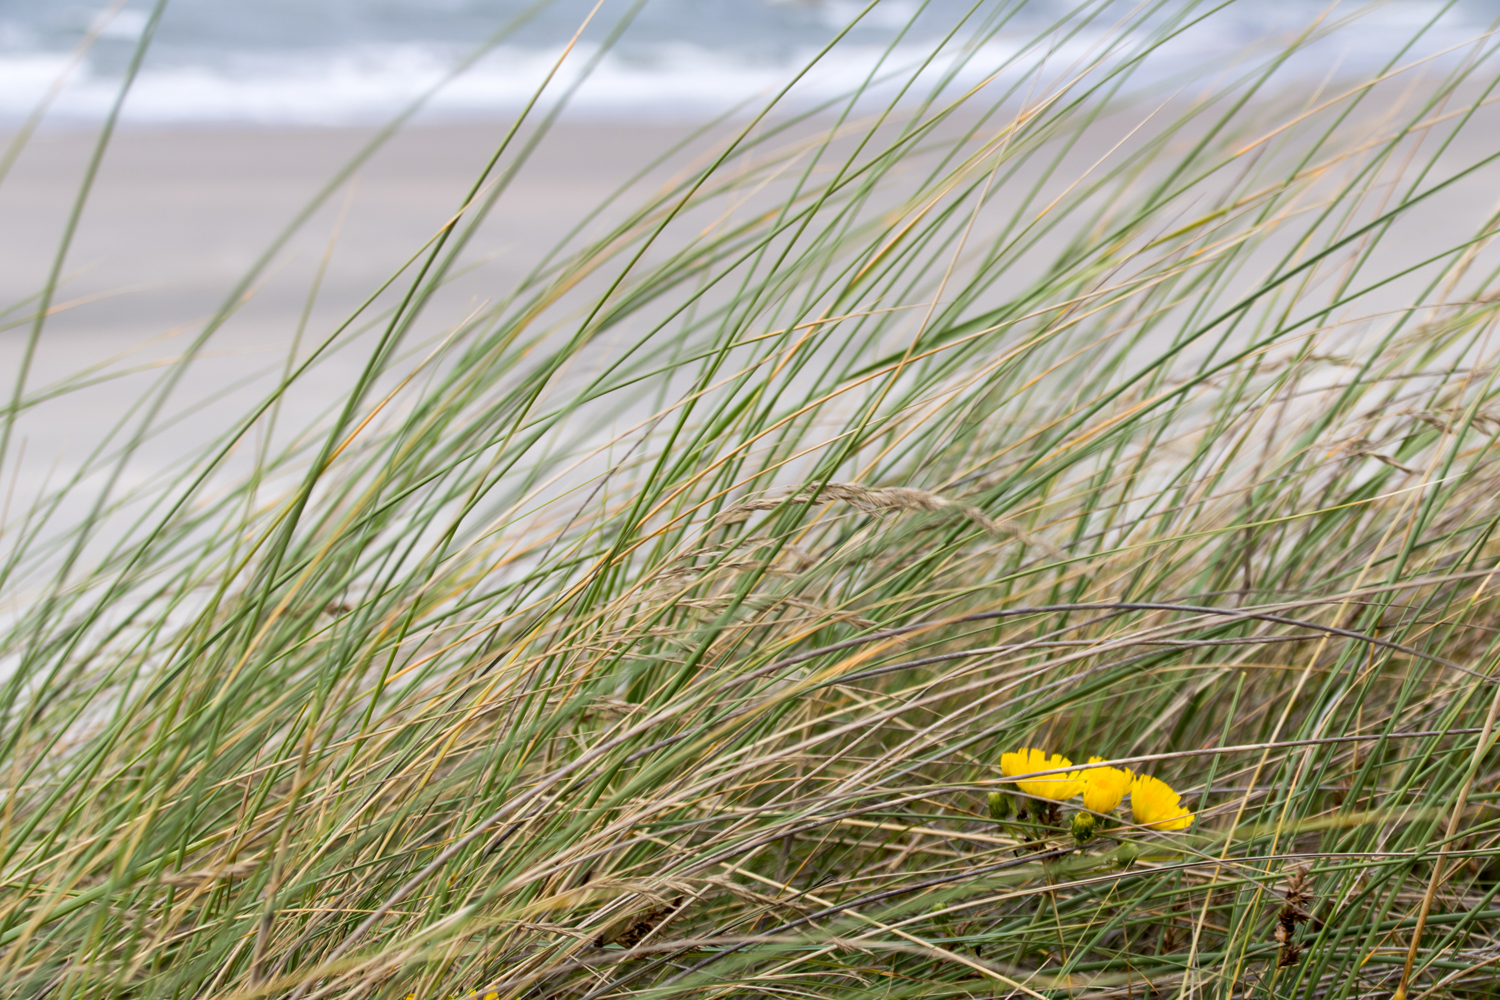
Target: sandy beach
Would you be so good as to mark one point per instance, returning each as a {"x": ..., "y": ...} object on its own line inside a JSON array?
[{"x": 178, "y": 217}]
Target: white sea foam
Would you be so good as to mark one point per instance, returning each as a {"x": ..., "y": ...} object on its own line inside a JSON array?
[{"x": 362, "y": 83}]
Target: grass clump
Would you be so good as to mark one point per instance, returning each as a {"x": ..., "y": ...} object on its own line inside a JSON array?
[{"x": 659, "y": 629}]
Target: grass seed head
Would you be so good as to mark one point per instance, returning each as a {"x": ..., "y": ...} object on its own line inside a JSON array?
[{"x": 1297, "y": 897}]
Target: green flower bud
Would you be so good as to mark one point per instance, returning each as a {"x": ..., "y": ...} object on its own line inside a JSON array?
[
  {"x": 1126, "y": 854},
  {"x": 999, "y": 805},
  {"x": 1083, "y": 827}
]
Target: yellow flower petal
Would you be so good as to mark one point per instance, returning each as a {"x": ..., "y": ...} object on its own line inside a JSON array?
[
  {"x": 1104, "y": 787},
  {"x": 1155, "y": 805},
  {"x": 1056, "y": 787}
]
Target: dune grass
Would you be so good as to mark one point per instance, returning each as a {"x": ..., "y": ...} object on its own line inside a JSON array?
[{"x": 662, "y": 633}]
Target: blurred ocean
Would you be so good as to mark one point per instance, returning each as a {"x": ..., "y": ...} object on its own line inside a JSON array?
[{"x": 349, "y": 61}]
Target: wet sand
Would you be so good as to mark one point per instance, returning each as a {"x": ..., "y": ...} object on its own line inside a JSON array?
[{"x": 176, "y": 217}]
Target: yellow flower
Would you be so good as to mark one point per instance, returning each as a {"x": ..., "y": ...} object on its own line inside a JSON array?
[
  {"x": 1056, "y": 787},
  {"x": 1104, "y": 787},
  {"x": 1156, "y": 806}
]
